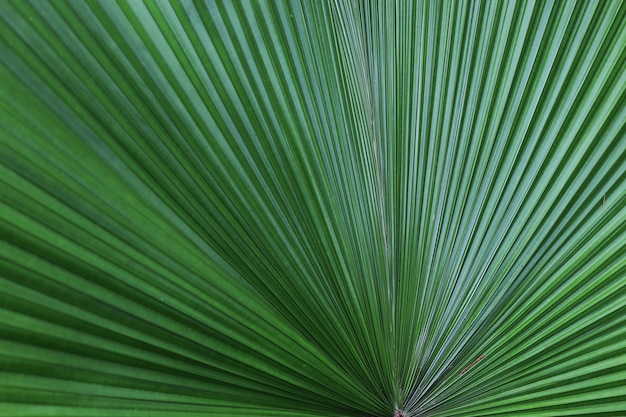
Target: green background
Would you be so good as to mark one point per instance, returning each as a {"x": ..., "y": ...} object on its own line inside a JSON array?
[{"x": 312, "y": 208}]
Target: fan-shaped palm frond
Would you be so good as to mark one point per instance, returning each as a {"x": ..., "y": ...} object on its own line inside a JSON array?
[{"x": 304, "y": 208}]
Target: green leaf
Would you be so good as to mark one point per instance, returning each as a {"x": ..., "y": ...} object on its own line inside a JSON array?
[{"x": 303, "y": 208}]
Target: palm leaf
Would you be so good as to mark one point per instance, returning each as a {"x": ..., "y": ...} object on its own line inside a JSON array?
[{"x": 312, "y": 208}]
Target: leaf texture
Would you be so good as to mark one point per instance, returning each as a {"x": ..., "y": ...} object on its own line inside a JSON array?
[{"x": 312, "y": 208}]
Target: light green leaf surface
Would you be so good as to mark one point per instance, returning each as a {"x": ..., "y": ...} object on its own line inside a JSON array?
[{"x": 312, "y": 208}]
